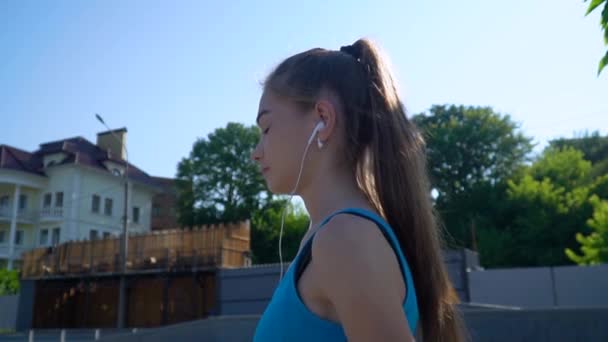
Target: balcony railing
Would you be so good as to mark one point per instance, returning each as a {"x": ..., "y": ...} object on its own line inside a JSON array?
[
  {"x": 6, "y": 213},
  {"x": 17, "y": 251},
  {"x": 51, "y": 213}
]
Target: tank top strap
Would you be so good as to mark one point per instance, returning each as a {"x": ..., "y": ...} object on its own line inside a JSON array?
[{"x": 389, "y": 234}]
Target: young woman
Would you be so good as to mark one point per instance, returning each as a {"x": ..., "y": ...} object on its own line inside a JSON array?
[{"x": 335, "y": 132}]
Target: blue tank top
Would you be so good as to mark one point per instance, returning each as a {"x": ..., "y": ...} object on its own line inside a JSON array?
[{"x": 286, "y": 318}]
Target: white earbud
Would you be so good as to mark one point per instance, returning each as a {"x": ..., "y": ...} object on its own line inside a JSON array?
[{"x": 316, "y": 130}]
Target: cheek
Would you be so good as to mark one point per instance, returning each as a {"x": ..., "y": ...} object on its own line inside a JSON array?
[{"x": 280, "y": 154}]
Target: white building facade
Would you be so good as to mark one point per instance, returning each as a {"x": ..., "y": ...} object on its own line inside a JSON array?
[{"x": 69, "y": 190}]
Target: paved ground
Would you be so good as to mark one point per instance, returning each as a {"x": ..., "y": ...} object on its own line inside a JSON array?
[{"x": 55, "y": 335}]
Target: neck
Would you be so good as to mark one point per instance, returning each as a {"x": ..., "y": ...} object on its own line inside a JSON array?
[{"x": 328, "y": 192}]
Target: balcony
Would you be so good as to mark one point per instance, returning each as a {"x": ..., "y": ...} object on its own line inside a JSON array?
[
  {"x": 23, "y": 216},
  {"x": 51, "y": 214},
  {"x": 18, "y": 250}
]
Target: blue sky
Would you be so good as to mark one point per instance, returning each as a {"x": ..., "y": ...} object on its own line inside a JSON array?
[{"x": 173, "y": 71}]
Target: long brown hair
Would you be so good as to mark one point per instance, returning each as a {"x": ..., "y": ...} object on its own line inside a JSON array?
[{"x": 387, "y": 154}]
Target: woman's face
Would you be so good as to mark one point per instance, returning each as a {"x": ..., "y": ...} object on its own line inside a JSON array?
[{"x": 285, "y": 130}]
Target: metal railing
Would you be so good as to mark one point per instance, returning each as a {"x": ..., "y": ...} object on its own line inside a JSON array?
[{"x": 6, "y": 213}]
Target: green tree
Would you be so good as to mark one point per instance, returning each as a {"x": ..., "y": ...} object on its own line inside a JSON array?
[
  {"x": 9, "y": 282},
  {"x": 265, "y": 241},
  {"x": 566, "y": 167},
  {"x": 185, "y": 193},
  {"x": 468, "y": 146},
  {"x": 547, "y": 206},
  {"x": 603, "y": 24},
  {"x": 472, "y": 151},
  {"x": 218, "y": 181},
  {"x": 594, "y": 246},
  {"x": 594, "y": 147}
]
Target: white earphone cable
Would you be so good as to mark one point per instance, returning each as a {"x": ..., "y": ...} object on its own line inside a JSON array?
[{"x": 290, "y": 197}]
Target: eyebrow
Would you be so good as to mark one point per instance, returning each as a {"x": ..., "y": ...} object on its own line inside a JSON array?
[{"x": 262, "y": 112}]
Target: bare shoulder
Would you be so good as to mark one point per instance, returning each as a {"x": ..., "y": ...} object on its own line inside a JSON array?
[
  {"x": 344, "y": 234},
  {"x": 352, "y": 247},
  {"x": 358, "y": 275}
]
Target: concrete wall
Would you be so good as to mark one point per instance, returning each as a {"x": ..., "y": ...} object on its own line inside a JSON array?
[
  {"x": 248, "y": 290},
  {"x": 8, "y": 312},
  {"x": 458, "y": 263},
  {"x": 565, "y": 286},
  {"x": 25, "y": 310},
  {"x": 538, "y": 325},
  {"x": 581, "y": 286},
  {"x": 521, "y": 287}
]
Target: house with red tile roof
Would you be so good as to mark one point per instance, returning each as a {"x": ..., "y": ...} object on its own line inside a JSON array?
[{"x": 71, "y": 189}]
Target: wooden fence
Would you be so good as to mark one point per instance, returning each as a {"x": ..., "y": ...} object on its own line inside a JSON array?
[{"x": 224, "y": 245}]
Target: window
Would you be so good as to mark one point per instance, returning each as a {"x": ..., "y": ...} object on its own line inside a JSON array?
[
  {"x": 19, "y": 237},
  {"x": 2, "y": 236},
  {"x": 95, "y": 204},
  {"x": 93, "y": 234},
  {"x": 155, "y": 211},
  {"x": 135, "y": 214},
  {"x": 59, "y": 200},
  {"x": 56, "y": 235},
  {"x": 44, "y": 237},
  {"x": 4, "y": 201},
  {"x": 47, "y": 201},
  {"x": 22, "y": 202},
  {"x": 108, "y": 207},
  {"x": 106, "y": 235}
]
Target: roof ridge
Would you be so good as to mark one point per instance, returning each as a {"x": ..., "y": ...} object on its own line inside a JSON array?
[
  {"x": 10, "y": 147},
  {"x": 62, "y": 140},
  {"x": 19, "y": 160}
]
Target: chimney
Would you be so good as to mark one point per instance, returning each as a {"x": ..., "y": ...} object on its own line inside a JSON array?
[{"x": 114, "y": 141}]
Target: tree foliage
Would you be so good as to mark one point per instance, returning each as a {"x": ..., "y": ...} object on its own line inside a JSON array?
[
  {"x": 9, "y": 282},
  {"x": 593, "y": 5}
]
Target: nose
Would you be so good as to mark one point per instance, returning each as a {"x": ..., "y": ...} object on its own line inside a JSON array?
[{"x": 256, "y": 154}]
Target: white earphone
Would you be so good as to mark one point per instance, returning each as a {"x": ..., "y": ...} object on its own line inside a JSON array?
[{"x": 316, "y": 130}]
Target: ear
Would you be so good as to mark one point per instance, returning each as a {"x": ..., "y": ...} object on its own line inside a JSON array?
[{"x": 326, "y": 111}]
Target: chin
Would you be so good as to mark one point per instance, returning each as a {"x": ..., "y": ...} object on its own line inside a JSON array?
[{"x": 277, "y": 188}]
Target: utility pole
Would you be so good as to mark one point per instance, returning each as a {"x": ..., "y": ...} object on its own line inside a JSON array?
[
  {"x": 124, "y": 242},
  {"x": 473, "y": 235}
]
